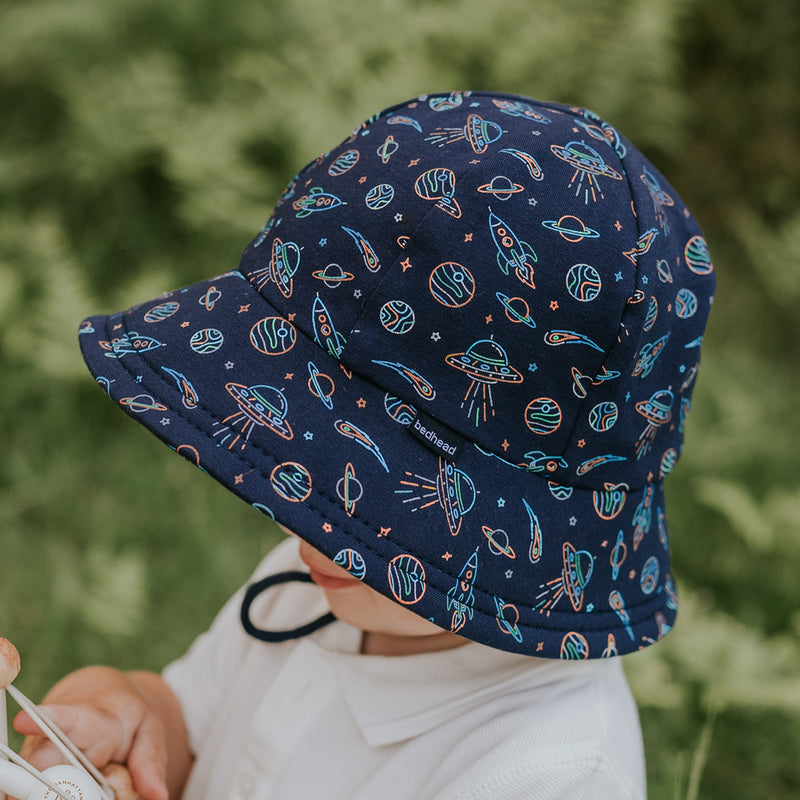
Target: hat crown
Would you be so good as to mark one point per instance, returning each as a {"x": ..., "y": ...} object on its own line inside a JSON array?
[{"x": 516, "y": 270}]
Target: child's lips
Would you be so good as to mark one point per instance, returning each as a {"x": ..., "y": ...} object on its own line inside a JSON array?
[{"x": 327, "y": 581}]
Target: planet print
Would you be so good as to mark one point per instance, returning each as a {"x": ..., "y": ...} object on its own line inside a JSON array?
[
  {"x": 452, "y": 285},
  {"x": 161, "y": 312},
  {"x": 206, "y": 340},
  {"x": 583, "y": 282},
  {"x": 543, "y": 415},
  {"x": 397, "y": 316},
  {"x": 273, "y": 336},
  {"x": 686, "y": 304},
  {"x": 379, "y": 196}
]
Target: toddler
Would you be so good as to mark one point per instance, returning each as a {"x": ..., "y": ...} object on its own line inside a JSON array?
[{"x": 456, "y": 362}]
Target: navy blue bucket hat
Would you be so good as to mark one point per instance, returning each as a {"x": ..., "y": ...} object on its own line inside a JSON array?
[{"x": 457, "y": 360}]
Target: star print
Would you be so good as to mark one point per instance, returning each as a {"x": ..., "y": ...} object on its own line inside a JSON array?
[
  {"x": 475, "y": 161},
  {"x": 533, "y": 367},
  {"x": 398, "y": 217},
  {"x": 509, "y": 573},
  {"x": 645, "y": 280},
  {"x": 384, "y": 531},
  {"x": 357, "y": 293},
  {"x": 581, "y": 442},
  {"x": 505, "y": 445},
  {"x": 669, "y": 307},
  {"x": 604, "y": 543},
  {"x": 436, "y": 336},
  {"x": 447, "y": 556},
  {"x": 554, "y": 305},
  {"x": 467, "y": 237},
  {"x": 488, "y": 319},
  {"x": 618, "y": 225},
  {"x": 327, "y": 527},
  {"x": 362, "y": 179},
  {"x": 117, "y": 326},
  {"x": 291, "y": 317},
  {"x": 682, "y": 368},
  {"x": 238, "y": 479},
  {"x": 573, "y": 522},
  {"x": 244, "y": 309},
  {"x": 618, "y": 277},
  {"x": 632, "y": 574},
  {"x": 501, "y": 502},
  {"x": 138, "y": 379},
  {"x": 323, "y": 241},
  {"x": 532, "y": 201},
  {"x": 185, "y": 324},
  {"x": 165, "y": 421},
  {"x": 288, "y": 376},
  {"x": 229, "y": 365},
  {"x": 627, "y": 396},
  {"x": 406, "y": 264},
  {"x": 308, "y": 436},
  {"x": 413, "y": 162},
  {"x": 540, "y": 645},
  {"x": 536, "y": 133},
  {"x": 361, "y": 402}
]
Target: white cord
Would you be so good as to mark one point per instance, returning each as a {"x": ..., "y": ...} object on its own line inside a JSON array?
[{"x": 61, "y": 741}]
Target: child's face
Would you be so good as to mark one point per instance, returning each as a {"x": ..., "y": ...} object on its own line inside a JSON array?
[{"x": 389, "y": 628}]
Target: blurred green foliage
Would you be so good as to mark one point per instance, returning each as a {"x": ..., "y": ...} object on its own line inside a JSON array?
[{"x": 141, "y": 146}]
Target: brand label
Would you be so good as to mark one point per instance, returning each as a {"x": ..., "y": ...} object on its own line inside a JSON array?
[{"x": 435, "y": 436}]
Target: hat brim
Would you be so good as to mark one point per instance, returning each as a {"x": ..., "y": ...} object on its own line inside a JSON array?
[{"x": 224, "y": 379}]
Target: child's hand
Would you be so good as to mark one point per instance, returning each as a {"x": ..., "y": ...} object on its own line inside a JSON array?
[{"x": 112, "y": 717}]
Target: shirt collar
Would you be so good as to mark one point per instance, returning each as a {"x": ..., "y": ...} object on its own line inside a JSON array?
[{"x": 393, "y": 698}]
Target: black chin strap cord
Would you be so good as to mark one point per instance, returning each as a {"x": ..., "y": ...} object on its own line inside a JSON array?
[{"x": 255, "y": 589}]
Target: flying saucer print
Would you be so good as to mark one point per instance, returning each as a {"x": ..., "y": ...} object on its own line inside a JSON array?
[
  {"x": 479, "y": 132},
  {"x": 576, "y": 573},
  {"x": 501, "y": 187},
  {"x": 486, "y": 362},
  {"x": 570, "y": 228},
  {"x": 452, "y": 490},
  {"x": 589, "y": 166},
  {"x": 259, "y": 406},
  {"x": 657, "y": 411}
]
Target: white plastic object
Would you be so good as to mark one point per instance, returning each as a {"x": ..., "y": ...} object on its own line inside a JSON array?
[{"x": 71, "y": 782}]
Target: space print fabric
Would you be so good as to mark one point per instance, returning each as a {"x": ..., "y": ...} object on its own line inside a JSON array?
[{"x": 457, "y": 359}]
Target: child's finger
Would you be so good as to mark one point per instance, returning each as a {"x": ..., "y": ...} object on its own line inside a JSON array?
[
  {"x": 98, "y": 734},
  {"x": 147, "y": 760}
]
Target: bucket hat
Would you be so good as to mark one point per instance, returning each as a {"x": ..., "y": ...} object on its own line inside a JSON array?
[{"x": 457, "y": 360}]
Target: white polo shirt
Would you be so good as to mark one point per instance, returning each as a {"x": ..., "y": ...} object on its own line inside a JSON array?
[{"x": 312, "y": 718}]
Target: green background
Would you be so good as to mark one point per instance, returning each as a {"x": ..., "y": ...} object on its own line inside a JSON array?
[{"x": 143, "y": 143}]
